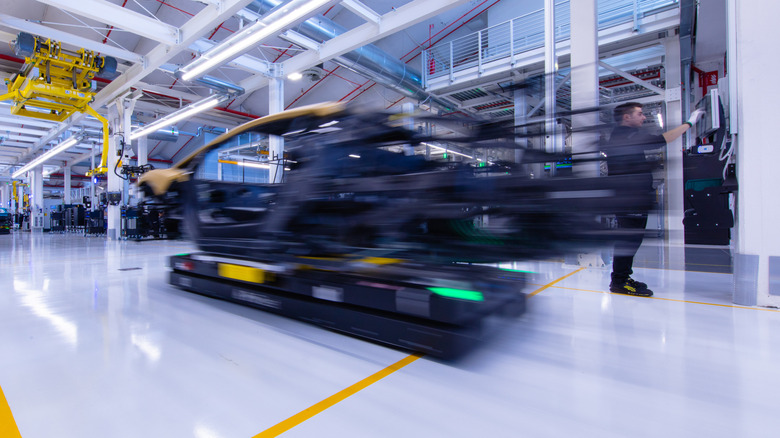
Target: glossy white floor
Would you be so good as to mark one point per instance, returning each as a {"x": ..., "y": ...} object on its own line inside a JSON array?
[{"x": 96, "y": 344}]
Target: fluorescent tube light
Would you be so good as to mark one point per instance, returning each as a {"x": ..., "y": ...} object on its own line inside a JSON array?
[
  {"x": 232, "y": 47},
  {"x": 49, "y": 154},
  {"x": 177, "y": 116},
  {"x": 447, "y": 150},
  {"x": 254, "y": 164}
]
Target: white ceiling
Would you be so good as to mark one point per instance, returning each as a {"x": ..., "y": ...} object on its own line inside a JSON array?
[
  {"x": 79, "y": 21},
  {"x": 201, "y": 20}
]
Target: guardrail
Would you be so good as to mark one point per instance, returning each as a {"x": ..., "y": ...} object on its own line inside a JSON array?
[{"x": 526, "y": 33}]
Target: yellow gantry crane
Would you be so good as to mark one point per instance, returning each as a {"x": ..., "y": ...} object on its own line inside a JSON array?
[{"x": 55, "y": 83}]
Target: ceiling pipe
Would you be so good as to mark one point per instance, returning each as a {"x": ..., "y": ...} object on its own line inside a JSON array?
[
  {"x": 213, "y": 83},
  {"x": 368, "y": 61}
]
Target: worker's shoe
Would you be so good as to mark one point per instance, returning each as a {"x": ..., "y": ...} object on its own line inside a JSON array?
[{"x": 630, "y": 287}]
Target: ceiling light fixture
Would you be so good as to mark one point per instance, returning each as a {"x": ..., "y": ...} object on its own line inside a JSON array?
[
  {"x": 232, "y": 47},
  {"x": 447, "y": 150},
  {"x": 182, "y": 114},
  {"x": 294, "y": 76},
  {"x": 255, "y": 164},
  {"x": 49, "y": 154}
]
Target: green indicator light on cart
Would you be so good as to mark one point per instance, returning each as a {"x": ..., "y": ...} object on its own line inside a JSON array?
[
  {"x": 462, "y": 294},
  {"x": 518, "y": 270}
]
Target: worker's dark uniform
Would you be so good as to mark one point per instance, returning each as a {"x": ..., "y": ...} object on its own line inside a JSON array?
[{"x": 626, "y": 156}]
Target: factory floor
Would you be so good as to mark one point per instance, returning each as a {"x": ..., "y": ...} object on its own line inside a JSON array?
[{"x": 95, "y": 343}]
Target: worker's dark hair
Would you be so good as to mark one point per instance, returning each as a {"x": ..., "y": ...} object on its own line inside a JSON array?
[{"x": 623, "y": 109}]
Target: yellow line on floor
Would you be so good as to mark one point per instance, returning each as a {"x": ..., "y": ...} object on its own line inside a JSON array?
[
  {"x": 315, "y": 409},
  {"x": 672, "y": 299},
  {"x": 8, "y": 427},
  {"x": 335, "y": 398},
  {"x": 552, "y": 283}
]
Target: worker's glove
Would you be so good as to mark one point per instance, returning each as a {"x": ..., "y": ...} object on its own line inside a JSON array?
[{"x": 695, "y": 116}]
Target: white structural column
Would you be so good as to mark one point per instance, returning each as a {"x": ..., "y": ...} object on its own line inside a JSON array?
[
  {"x": 143, "y": 151},
  {"x": 92, "y": 184},
  {"x": 520, "y": 99},
  {"x": 36, "y": 199},
  {"x": 119, "y": 113},
  {"x": 275, "y": 142},
  {"x": 753, "y": 33},
  {"x": 584, "y": 81},
  {"x": 5, "y": 195},
  {"x": 114, "y": 183},
  {"x": 14, "y": 204},
  {"x": 673, "y": 180},
  {"x": 550, "y": 71},
  {"x": 67, "y": 189},
  {"x": 408, "y": 108}
]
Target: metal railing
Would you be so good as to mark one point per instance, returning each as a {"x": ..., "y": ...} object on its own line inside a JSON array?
[{"x": 526, "y": 33}]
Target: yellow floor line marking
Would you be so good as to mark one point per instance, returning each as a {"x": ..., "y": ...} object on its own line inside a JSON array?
[
  {"x": 8, "y": 427},
  {"x": 671, "y": 299},
  {"x": 550, "y": 284},
  {"x": 315, "y": 409}
]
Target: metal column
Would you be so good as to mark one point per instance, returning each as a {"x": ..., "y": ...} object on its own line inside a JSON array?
[
  {"x": 673, "y": 180},
  {"x": 550, "y": 71},
  {"x": 584, "y": 81},
  {"x": 143, "y": 150},
  {"x": 752, "y": 32},
  {"x": 5, "y": 196},
  {"x": 520, "y": 99},
  {"x": 113, "y": 213},
  {"x": 66, "y": 197},
  {"x": 92, "y": 182},
  {"x": 36, "y": 201},
  {"x": 119, "y": 112},
  {"x": 275, "y": 142}
]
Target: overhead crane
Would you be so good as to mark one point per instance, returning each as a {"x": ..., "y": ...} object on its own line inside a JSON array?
[{"x": 55, "y": 83}]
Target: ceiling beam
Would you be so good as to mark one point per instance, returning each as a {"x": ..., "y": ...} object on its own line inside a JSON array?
[
  {"x": 208, "y": 118},
  {"x": 20, "y": 130},
  {"x": 67, "y": 38},
  {"x": 390, "y": 23},
  {"x": 23, "y": 120},
  {"x": 22, "y": 138},
  {"x": 6, "y": 36},
  {"x": 121, "y": 18},
  {"x": 14, "y": 146},
  {"x": 362, "y": 11},
  {"x": 633, "y": 79},
  {"x": 210, "y": 17},
  {"x": 243, "y": 62},
  {"x": 207, "y": 19}
]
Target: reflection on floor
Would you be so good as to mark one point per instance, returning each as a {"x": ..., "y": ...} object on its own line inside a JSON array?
[
  {"x": 702, "y": 258},
  {"x": 96, "y": 344}
]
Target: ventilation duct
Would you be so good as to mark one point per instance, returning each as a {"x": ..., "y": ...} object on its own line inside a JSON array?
[{"x": 369, "y": 61}]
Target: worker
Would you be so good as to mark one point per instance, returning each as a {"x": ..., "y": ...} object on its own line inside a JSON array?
[{"x": 625, "y": 152}]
